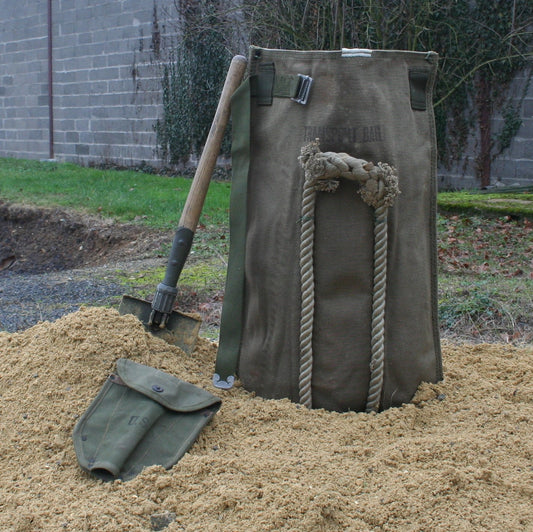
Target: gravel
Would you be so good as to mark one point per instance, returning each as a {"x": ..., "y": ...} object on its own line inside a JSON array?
[{"x": 27, "y": 299}]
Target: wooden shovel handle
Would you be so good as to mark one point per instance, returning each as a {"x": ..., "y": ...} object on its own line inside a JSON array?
[{"x": 196, "y": 197}]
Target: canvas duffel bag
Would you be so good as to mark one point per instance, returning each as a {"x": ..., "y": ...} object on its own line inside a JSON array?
[{"x": 350, "y": 323}]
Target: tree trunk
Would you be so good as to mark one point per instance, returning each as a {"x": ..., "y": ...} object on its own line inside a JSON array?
[{"x": 484, "y": 116}]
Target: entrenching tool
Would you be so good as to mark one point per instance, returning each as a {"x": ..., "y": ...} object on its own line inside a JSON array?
[{"x": 158, "y": 317}]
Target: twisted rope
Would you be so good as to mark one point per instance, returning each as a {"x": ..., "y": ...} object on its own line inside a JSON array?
[
  {"x": 378, "y": 187},
  {"x": 307, "y": 277},
  {"x": 377, "y": 341}
]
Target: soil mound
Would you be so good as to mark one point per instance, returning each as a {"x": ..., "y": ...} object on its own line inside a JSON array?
[
  {"x": 52, "y": 261},
  {"x": 459, "y": 457},
  {"x": 36, "y": 240}
]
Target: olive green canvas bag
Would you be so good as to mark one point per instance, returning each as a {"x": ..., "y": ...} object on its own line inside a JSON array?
[
  {"x": 331, "y": 291},
  {"x": 141, "y": 417}
]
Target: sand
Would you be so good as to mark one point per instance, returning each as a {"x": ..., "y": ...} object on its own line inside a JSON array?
[{"x": 459, "y": 457}]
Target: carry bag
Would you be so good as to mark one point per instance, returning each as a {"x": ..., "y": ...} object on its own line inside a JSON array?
[
  {"x": 331, "y": 290},
  {"x": 141, "y": 417}
]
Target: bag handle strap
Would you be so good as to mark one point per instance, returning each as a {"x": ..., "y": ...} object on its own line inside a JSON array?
[
  {"x": 227, "y": 359},
  {"x": 378, "y": 187}
]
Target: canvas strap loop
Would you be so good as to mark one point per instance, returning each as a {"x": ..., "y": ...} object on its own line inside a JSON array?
[
  {"x": 418, "y": 81},
  {"x": 378, "y": 187},
  {"x": 266, "y": 85}
]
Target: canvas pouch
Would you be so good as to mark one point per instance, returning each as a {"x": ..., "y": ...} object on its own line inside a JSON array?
[
  {"x": 141, "y": 417},
  {"x": 372, "y": 105}
]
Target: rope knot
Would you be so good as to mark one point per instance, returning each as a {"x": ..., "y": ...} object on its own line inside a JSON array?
[
  {"x": 378, "y": 183},
  {"x": 320, "y": 172}
]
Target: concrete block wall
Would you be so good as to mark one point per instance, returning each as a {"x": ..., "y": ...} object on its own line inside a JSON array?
[
  {"x": 107, "y": 57},
  {"x": 23, "y": 79},
  {"x": 515, "y": 165},
  {"x": 106, "y": 78}
]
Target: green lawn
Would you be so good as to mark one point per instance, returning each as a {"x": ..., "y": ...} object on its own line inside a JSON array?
[
  {"x": 157, "y": 201},
  {"x": 125, "y": 195},
  {"x": 518, "y": 203}
]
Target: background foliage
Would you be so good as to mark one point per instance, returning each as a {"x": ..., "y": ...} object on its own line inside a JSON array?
[
  {"x": 482, "y": 45},
  {"x": 192, "y": 80}
]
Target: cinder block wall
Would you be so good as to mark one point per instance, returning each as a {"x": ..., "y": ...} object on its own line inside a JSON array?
[
  {"x": 107, "y": 93},
  {"x": 23, "y": 79},
  {"x": 106, "y": 78},
  {"x": 515, "y": 165}
]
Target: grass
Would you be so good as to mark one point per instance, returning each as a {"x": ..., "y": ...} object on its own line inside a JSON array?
[
  {"x": 481, "y": 245},
  {"x": 205, "y": 276},
  {"x": 157, "y": 201},
  {"x": 126, "y": 195},
  {"x": 486, "y": 309},
  {"x": 519, "y": 203},
  {"x": 485, "y": 279},
  {"x": 484, "y": 239}
]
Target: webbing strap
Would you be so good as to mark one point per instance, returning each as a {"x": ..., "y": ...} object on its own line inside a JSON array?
[
  {"x": 231, "y": 320},
  {"x": 418, "y": 81},
  {"x": 266, "y": 85},
  {"x": 286, "y": 86}
]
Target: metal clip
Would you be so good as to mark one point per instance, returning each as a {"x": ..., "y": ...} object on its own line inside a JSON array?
[
  {"x": 302, "y": 92},
  {"x": 218, "y": 382}
]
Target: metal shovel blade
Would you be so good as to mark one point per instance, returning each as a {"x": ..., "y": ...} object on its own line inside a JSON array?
[{"x": 181, "y": 329}]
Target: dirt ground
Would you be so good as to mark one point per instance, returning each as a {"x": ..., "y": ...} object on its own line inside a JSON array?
[
  {"x": 36, "y": 240},
  {"x": 52, "y": 261},
  {"x": 459, "y": 457}
]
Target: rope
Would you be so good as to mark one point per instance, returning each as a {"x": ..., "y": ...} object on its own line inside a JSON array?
[
  {"x": 378, "y": 187},
  {"x": 307, "y": 290},
  {"x": 377, "y": 341}
]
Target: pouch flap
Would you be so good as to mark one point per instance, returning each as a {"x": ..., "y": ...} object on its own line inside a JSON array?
[{"x": 167, "y": 390}]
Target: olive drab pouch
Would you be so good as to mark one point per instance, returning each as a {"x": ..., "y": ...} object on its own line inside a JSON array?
[
  {"x": 140, "y": 417},
  {"x": 331, "y": 290}
]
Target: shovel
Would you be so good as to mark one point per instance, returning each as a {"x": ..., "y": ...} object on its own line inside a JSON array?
[{"x": 158, "y": 316}]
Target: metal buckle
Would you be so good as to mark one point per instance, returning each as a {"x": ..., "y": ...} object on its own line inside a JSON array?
[{"x": 302, "y": 92}]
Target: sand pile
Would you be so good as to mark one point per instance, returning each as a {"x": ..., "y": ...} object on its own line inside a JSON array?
[{"x": 458, "y": 458}]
